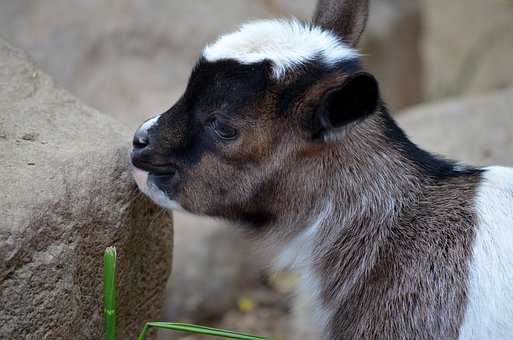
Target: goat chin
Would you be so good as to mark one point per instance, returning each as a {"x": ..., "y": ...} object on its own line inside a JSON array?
[{"x": 141, "y": 178}]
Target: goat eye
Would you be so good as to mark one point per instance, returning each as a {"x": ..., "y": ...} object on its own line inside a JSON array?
[{"x": 223, "y": 130}]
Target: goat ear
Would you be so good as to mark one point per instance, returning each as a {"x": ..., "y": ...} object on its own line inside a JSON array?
[
  {"x": 355, "y": 99},
  {"x": 347, "y": 18}
]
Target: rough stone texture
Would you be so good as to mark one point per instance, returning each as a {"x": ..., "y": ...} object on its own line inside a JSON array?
[
  {"x": 468, "y": 46},
  {"x": 65, "y": 196},
  {"x": 132, "y": 58},
  {"x": 477, "y": 129}
]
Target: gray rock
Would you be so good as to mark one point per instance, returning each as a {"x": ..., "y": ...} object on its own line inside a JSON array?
[
  {"x": 468, "y": 46},
  {"x": 392, "y": 50},
  {"x": 129, "y": 58},
  {"x": 474, "y": 129},
  {"x": 66, "y": 195}
]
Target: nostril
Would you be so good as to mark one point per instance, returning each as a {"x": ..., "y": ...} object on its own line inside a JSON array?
[
  {"x": 140, "y": 143},
  {"x": 140, "y": 139}
]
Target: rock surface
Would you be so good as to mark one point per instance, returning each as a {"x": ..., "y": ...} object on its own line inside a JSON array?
[
  {"x": 477, "y": 130},
  {"x": 393, "y": 52},
  {"x": 65, "y": 196},
  {"x": 468, "y": 46}
]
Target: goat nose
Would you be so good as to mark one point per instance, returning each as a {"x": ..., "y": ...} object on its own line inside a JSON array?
[{"x": 140, "y": 138}]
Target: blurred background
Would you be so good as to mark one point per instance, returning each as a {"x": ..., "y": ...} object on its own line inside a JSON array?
[{"x": 445, "y": 69}]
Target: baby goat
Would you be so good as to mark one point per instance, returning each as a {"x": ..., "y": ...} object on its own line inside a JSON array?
[{"x": 282, "y": 131}]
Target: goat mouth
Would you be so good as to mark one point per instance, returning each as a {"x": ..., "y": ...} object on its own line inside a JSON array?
[
  {"x": 151, "y": 163},
  {"x": 148, "y": 181},
  {"x": 155, "y": 169},
  {"x": 153, "y": 186},
  {"x": 144, "y": 173},
  {"x": 162, "y": 181},
  {"x": 162, "y": 175}
]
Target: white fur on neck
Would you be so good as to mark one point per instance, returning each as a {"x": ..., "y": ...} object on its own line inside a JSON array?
[
  {"x": 287, "y": 43},
  {"x": 489, "y": 313},
  {"x": 298, "y": 255},
  {"x": 160, "y": 197}
]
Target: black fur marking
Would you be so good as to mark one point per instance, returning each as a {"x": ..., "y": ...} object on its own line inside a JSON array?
[
  {"x": 310, "y": 73},
  {"x": 433, "y": 166},
  {"x": 226, "y": 87},
  {"x": 348, "y": 66},
  {"x": 354, "y": 100},
  {"x": 256, "y": 219}
]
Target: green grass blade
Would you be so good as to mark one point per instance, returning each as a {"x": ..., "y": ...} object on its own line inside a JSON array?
[
  {"x": 188, "y": 328},
  {"x": 109, "y": 292}
]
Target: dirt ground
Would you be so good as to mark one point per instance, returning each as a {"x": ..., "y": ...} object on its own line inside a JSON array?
[{"x": 262, "y": 309}]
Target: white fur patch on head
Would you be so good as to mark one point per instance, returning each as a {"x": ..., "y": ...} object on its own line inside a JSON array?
[{"x": 286, "y": 43}]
